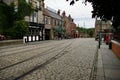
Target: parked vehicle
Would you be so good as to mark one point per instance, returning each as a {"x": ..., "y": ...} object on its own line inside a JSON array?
[{"x": 2, "y": 37}]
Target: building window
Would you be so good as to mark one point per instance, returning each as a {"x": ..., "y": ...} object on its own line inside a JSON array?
[
  {"x": 46, "y": 20},
  {"x": 16, "y": 8},
  {"x": 38, "y": 5},
  {"x": 35, "y": 14},
  {"x": 49, "y": 21},
  {"x": 33, "y": 17},
  {"x": 52, "y": 22},
  {"x": 55, "y": 22},
  {"x": 58, "y": 23}
]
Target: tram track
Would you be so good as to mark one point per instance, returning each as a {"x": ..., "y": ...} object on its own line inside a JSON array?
[
  {"x": 54, "y": 57},
  {"x": 34, "y": 55},
  {"x": 58, "y": 55},
  {"x": 21, "y": 49}
]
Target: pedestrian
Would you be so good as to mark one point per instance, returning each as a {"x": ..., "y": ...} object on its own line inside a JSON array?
[{"x": 107, "y": 38}]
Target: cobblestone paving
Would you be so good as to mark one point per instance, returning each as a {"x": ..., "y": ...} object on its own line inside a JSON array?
[{"x": 58, "y": 60}]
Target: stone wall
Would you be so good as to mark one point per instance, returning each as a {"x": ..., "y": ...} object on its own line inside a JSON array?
[
  {"x": 11, "y": 42},
  {"x": 116, "y": 48}
]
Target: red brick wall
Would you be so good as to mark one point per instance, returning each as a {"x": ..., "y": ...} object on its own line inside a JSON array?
[
  {"x": 69, "y": 25},
  {"x": 116, "y": 48}
]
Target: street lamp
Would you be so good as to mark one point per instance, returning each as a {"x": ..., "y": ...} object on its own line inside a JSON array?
[{"x": 100, "y": 34}]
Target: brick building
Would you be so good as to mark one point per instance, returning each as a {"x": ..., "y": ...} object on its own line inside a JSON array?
[
  {"x": 47, "y": 23},
  {"x": 70, "y": 26},
  {"x": 36, "y": 20},
  {"x": 104, "y": 26},
  {"x": 53, "y": 23}
]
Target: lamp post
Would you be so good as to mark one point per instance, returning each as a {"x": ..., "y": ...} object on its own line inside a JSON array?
[{"x": 100, "y": 35}]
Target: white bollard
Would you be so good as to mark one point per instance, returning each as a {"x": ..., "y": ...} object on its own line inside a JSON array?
[{"x": 24, "y": 39}]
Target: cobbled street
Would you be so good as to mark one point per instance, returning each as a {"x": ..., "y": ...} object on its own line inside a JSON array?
[{"x": 70, "y": 59}]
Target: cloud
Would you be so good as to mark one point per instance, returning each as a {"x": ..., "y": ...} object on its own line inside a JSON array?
[{"x": 85, "y": 22}]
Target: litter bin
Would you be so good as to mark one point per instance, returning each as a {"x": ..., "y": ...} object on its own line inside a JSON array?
[{"x": 110, "y": 45}]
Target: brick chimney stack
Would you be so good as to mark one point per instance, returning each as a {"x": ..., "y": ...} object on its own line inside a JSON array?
[
  {"x": 58, "y": 12},
  {"x": 70, "y": 17},
  {"x": 63, "y": 14}
]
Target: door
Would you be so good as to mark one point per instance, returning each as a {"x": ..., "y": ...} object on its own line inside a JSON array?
[{"x": 47, "y": 34}]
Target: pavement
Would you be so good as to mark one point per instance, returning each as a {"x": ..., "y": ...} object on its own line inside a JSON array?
[{"x": 108, "y": 67}]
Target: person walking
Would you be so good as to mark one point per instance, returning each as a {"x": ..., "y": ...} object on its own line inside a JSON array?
[{"x": 107, "y": 38}]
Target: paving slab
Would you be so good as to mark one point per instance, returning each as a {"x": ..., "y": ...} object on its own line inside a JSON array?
[{"x": 109, "y": 62}]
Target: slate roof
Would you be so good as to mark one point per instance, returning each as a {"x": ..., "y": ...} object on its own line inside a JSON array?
[
  {"x": 53, "y": 14},
  {"x": 45, "y": 12}
]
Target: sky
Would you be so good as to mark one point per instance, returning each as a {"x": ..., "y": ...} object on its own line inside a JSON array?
[{"x": 80, "y": 12}]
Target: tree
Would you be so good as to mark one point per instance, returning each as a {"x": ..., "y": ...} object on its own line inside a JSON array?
[
  {"x": 24, "y": 9},
  {"x": 80, "y": 29},
  {"x": 90, "y": 31},
  {"x": 19, "y": 29},
  {"x": 105, "y": 10},
  {"x": 6, "y": 17},
  {"x": 12, "y": 22}
]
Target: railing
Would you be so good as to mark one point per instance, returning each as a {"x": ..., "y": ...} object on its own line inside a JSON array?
[{"x": 116, "y": 35}]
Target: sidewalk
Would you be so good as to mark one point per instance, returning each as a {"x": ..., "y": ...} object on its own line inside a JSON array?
[{"x": 108, "y": 64}]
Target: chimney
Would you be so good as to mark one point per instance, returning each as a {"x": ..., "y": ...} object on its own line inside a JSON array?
[
  {"x": 63, "y": 14},
  {"x": 70, "y": 17},
  {"x": 58, "y": 12}
]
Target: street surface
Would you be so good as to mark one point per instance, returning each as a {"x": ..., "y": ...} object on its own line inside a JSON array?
[{"x": 70, "y": 59}]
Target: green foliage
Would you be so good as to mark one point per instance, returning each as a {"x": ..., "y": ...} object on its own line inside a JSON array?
[
  {"x": 24, "y": 9},
  {"x": 19, "y": 29},
  {"x": 89, "y": 31},
  {"x": 6, "y": 18},
  {"x": 11, "y": 22},
  {"x": 10, "y": 16},
  {"x": 105, "y": 10},
  {"x": 3, "y": 17},
  {"x": 80, "y": 29}
]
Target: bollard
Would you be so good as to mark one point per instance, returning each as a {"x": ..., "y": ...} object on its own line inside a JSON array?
[
  {"x": 110, "y": 45},
  {"x": 25, "y": 39}
]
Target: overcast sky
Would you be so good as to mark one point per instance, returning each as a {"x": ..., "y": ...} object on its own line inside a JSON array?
[{"x": 79, "y": 12}]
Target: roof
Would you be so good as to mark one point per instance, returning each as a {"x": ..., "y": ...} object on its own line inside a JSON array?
[
  {"x": 45, "y": 12},
  {"x": 53, "y": 14},
  {"x": 103, "y": 22}
]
